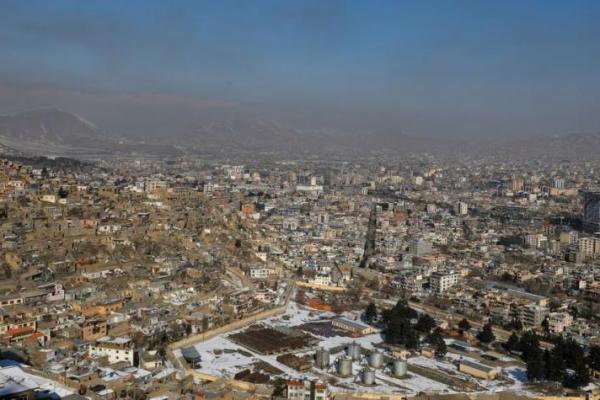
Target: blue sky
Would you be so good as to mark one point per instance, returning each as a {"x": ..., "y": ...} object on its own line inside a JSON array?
[{"x": 469, "y": 65}]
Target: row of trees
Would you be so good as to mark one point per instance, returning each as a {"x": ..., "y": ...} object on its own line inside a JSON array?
[
  {"x": 404, "y": 326},
  {"x": 565, "y": 363}
]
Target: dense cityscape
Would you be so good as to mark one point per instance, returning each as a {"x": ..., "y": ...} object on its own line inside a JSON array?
[
  {"x": 295, "y": 279},
  {"x": 299, "y": 200}
]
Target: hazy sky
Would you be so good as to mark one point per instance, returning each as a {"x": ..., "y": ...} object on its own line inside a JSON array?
[{"x": 426, "y": 67}]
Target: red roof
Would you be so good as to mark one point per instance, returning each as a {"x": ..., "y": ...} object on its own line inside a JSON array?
[{"x": 19, "y": 331}]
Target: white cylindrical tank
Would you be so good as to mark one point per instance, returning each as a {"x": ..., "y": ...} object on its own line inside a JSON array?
[
  {"x": 353, "y": 350},
  {"x": 322, "y": 358},
  {"x": 345, "y": 366},
  {"x": 399, "y": 368},
  {"x": 368, "y": 376},
  {"x": 375, "y": 359}
]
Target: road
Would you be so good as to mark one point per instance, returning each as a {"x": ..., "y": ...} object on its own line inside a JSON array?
[{"x": 502, "y": 335}]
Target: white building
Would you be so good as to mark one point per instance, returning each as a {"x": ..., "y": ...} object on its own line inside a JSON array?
[
  {"x": 116, "y": 350},
  {"x": 306, "y": 390},
  {"x": 536, "y": 240},
  {"x": 259, "y": 273},
  {"x": 462, "y": 208},
  {"x": 442, "y": 281},
  {"x": 589, "y": 246},
  {"x": 322, "y": 279},
  {"x": 559, "y": 321}
]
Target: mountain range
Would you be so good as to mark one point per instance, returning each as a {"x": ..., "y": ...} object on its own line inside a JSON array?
[{"x": 56, "y": 132}]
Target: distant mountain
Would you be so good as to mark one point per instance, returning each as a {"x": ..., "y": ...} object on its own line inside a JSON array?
[
  {"x": 574, "y": 146},
  {"x": 61, "y": 133},
  {"x": 50, "y": 126},
  {"x": 51, "y": 131}
]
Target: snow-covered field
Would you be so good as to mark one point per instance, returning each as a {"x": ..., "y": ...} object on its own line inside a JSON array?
[
  {"x": 17, "y": 376},
  {"x": 223, "y": 357}
]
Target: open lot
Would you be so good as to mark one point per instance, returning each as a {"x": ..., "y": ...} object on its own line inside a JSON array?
[{"x": 254, "y": 349}]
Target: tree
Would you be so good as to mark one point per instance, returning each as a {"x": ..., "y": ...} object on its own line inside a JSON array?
[
  {"x": 579, "y": 377},
  {"x": 63, "y": 193},
  {"x": 593, "y": 358},
  {"x": 411, "y": 338},
  {"x": 279, "y": 389},
  {"x": 486, "y": 335},
  {"x": 546, "y": 326},
  {"x": 402, "y": 308},
  {"x": 425, "y": 323},
  {"x": 512, "y": 344},
  {"x": 528, "y": 342},
  {"x": 554, "y": 366},
  {"x": 535, "y": 365},
  {"x": 436, "y": 339},
  {"x": 464, "y": 325},
  {"x": 162, "y": 352},
  {"x": 371, "y": 313},
  {"x": 441, "y": 349},
  {"x": 517, "y": 324}
]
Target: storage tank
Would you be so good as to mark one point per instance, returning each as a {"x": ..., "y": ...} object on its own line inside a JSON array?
[
  {"x": 322, "y": 358},
  {"x": 368, "y": 376},
  {"x": 399, "y": 368},
  {"x": 345, "y": 366},
  {"x": 353, "y": 351},
  {"x": 375, "y": 359}
]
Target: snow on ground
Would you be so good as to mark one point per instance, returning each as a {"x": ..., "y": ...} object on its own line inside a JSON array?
[
  {"x": 296, "y": 315},
  {"x": 19, "y": 375},
  {"x": 366, "y": 342},
  {"x": 222, "y": 357}
]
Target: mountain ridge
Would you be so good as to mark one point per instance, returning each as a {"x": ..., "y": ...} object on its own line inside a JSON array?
[{"x": 55, "y": 131}]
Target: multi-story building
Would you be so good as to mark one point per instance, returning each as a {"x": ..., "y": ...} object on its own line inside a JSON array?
[
  {"x": 532, "y": 315},
  {"x": 419, "y": 247},
  {"x": 462, "y": 208},
  {"x": 441, "y": 281},
  {"x": 559, "y": 183},
  {"x": 306, "y": 390},
  {"x": 559, "y": 321},
  {"x": 94, "y": 329},
  {"x": 589, "y": 247},
  {"x": 591, "y": 211},
  {"x": 259, "y": 273},
  {"x": 116, "y": 350}
]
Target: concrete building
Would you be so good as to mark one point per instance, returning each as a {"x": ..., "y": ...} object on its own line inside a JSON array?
[
  {"x": 532, "y": 315},
  {"x": 559, "y": 321},
  {"x": 441, "y": 281},
  {"x": 589, "y": 247},
  {"x": 306, "y": 390},
  {"x": 116, "y": 350},
  {"x": 420, "y": 247},
  {"x": 477, "y": 370},
  {"x": 461, "y": 208},
  {"x": 591, "y": 211},
  {"x": 353, "y": 327}
]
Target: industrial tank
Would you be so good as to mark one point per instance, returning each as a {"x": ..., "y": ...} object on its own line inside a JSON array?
[
  {"x": 353, "y": 351},
  {"x": 322, "y": 358},
  {"x": 375, "y": 359},
  {"x": 368, "y": 376},
  {"x": 345, "y": 366},
  {"x": 399, "y": 368}
]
